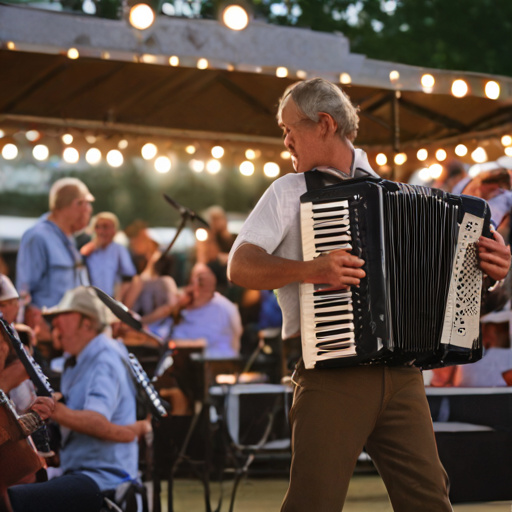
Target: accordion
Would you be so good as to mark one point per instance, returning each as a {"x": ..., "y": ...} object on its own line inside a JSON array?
[{"x": 419, "y": 303}]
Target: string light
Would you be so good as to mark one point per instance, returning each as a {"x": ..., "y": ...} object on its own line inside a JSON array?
[
  {"x": 422, "y": 155},
  {"x": 32, "y": 135},
  {"x": 196, "y": 165},
  {"x": 285, "y": 155},
  {"x": 345, "y": 79},
  {"x": 381, "y": 159},
  {"x": 247, "y": 168},
  {"x": 394, "y": 76},
  {"x": 163, "y": 164},
  {"x": 281, "y": 72},
  {"x": 71, "y": 155},
  {"x": 213, "y": 166},
  {"x": 93, "y": 156},
  {"x": 2, "y": 133},
  {"x": 302, "y": 74},
  {"x": 461, "y": 150},
  {"x": 235, "y": 17},
  {"x": 435, "y": 171},
  {"x": 479, "y": 155},
  {"x": 115, "y": 158},
  {"x": 174, "y": 61},
  {"x": 122, "y": 144},
  {"x": 11, "y": 45},
  {"x": 10, "y": 151},
  {"x": 441, "y": 155},
  {"x": 400, "y": 158},
  {"x": 141, "y": 16},
  {"x": 217, "y": 152},
  {"x": 190, "y": 149},
  {"x": 40, "y": 152},
  {"x": 250, "y": 154},
  {"x": 424, "y": 174},
  {"x": 492, "y": 90},
  {"x": 202, "y": 64},
  {"x": 508, "y": 151},
  {"x": 459, "y": 88},
  {"x": 271, "y": 169},
  {"x": 91, "y": 139},
  {"x": 67, "y": 138},
  {"x": 506, "y": 140},
  {"x": 148, "y": 151},
  {"x": 73, "y": 54},
  {"x": 201, "y": 234},
  {"x": 427, "y": 81}
]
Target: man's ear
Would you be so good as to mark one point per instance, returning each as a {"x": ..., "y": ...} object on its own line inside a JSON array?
[{"x": 327, "y": 124}]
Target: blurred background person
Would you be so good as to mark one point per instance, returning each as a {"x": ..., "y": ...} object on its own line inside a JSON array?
[
  {"x": 48, "y": 261},
  {"x": 109, "y": 263}
]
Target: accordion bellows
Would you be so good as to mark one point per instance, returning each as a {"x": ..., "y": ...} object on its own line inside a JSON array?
[{"x": 420, "y": 300}]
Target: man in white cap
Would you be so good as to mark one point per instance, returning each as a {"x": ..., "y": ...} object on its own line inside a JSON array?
[
  {"x": 9, "y": 300},
  {"x": 48, "y": 261},
  {"x": 98, "y": 423}
]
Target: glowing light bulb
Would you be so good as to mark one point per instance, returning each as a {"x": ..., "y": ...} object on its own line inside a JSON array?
[
  {"x": 394, "y": 76},
  {"x": 148, "y": 151},
  {"x": 492, "y": 90},
  {"x": 461, "y": 150},
  {"x": 459, "y": 88},
  {"x": 271, "y": 169},
  {"x": 40, "y": 152},
  {"x": 163, "y": 164},
  {"x": 71, "y": 155},
  {"x": 115, "y": 158},
  {"x": 508, "y": 151},
  {"x": 435, "y": 171},
  {"x": 122, "y": 144},
  {"x": 281, "y": 72},
  {"x": 9, "y": 152},
  {"x": 250, "y": 154},
  {"x": 141, "y": 16},
  {"x": 422, "y": 155},
  {"x": 201, "y": 234},
  {"x": 302, "y": 74},
  {"x": 32, "y": 135},
  {"x": 11, "y": 45},
  {"x": 73, "y": 53},
  {"x": 381, "y": 159},
  {"x": 441, "y": 155},
  {"x": 345, "y": 79},
  {"x": 235, "y": 17},
  {"x": 213, "y": 166},
  {"x": 67, "y": 138},
  {"x": 428, "y": 81},
  {"x": 2, "y": 133},
  {"x": 190, "y": 149},
  {"x": 93, "y": 156},
  {"x": 174, "y": 61},
  {"x": 196, "y": 165},
  {"x": 285, "y": 155},
  {"x": 479, "y": 155},
  {"x": 202, "y": 64},
  {"x": 247, "y": 168},
  {"x": 217, "y": 152},
  {"x": 424, "y": 174},
  {"x": 400, "y": 158},
  {"x": 91, "y": 139},
  {"x": 506, "y": 140}
]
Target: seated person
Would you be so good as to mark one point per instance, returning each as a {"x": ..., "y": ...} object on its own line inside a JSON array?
[
  {"x": 98, "y": 427},
  {"x": 109, "y": 263},
  {"x": 205, "y": 313},
  {"x": 495, "y": 367}
]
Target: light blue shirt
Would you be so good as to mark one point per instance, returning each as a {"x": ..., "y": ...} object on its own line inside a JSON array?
[
  {"x": 100, "y": 382},
  {"x": 48, "y": 264},
  {"x": 218, "y": 322},
  {"x": 107, "y": 266}
]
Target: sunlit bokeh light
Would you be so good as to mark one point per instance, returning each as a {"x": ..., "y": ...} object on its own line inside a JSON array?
[
  {"x": 461, "y": 150},
  {"x": 122, "y": 144},
  {"x": 435, "y": 171},
  {"x": 71, "y": 155},
  {"x": 400, "y": 158},
  {"x": 508, "y": 151},
  {"x": 196, "y": 165},
  {"x": 271, "y": 169},
  {"x": 247, "y": 168},
  {"x": 40, "y": 152},
  {"x": 201, "y": 234},
  {"x": 202, "y": 64},
  {"x": 32, "y": 135},
  {"x": 424, "y": 174},
  {"x": 427, "y": 81},
  {"x": 73, "y": 53},
  {"x": 141, "y": 16},
  {"x": 174, "y": 61},
  {"x": 217, "y": 152},
  {"x": 381, "y": 159},
  {"x": 459, "y": 88},
  {"x": 285, "y": 155},
  {"x": 479, "y": 155},
  {"x": 394, "y": 76},
  {"x": 93, "y": 156},
  {"x": 115, "y": 158},
  {"x": 163, "y": 164},
  {"x": 441, "y": 155},
  {"x": 492, "y": 90},
  {"x": 67, "y": 138},
  {"x": 345, "y": 79},
  {"x": 422, "y": 155},
  {"x": 506, "y": 140},
  {"x": 213, "y": 166},
  {"x": 148, "y": 151},
  {"x": 10, "y": 151},
  {"x": 250, "y": 154},
  {"x": 235, "y": 17},
  {"x": 281, "y": 72},
  {"x": 190, "y": 149}
]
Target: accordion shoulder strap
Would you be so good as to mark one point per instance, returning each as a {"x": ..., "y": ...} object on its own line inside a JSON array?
[{"x": 314, "y": 180}]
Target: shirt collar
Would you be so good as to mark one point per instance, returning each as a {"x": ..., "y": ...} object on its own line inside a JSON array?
[{"x": 359, "y": 163}]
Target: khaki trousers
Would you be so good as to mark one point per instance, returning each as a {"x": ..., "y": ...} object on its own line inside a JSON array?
[{"x": 337, "y": 412}]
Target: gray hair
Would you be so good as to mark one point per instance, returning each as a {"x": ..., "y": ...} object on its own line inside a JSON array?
[{"x": 316, "y": 96}]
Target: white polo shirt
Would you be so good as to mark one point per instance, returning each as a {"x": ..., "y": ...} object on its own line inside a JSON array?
[{"x": 274, "y": 225}]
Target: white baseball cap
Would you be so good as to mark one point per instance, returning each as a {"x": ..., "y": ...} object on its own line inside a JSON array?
[{"x": 7, "y": 289}]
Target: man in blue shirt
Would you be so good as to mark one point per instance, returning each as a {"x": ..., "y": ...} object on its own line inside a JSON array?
[
  {"x": 98, "y": 422},
  {"x": 48, "y": 262},
  {"x": 108, "y": 262}
]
